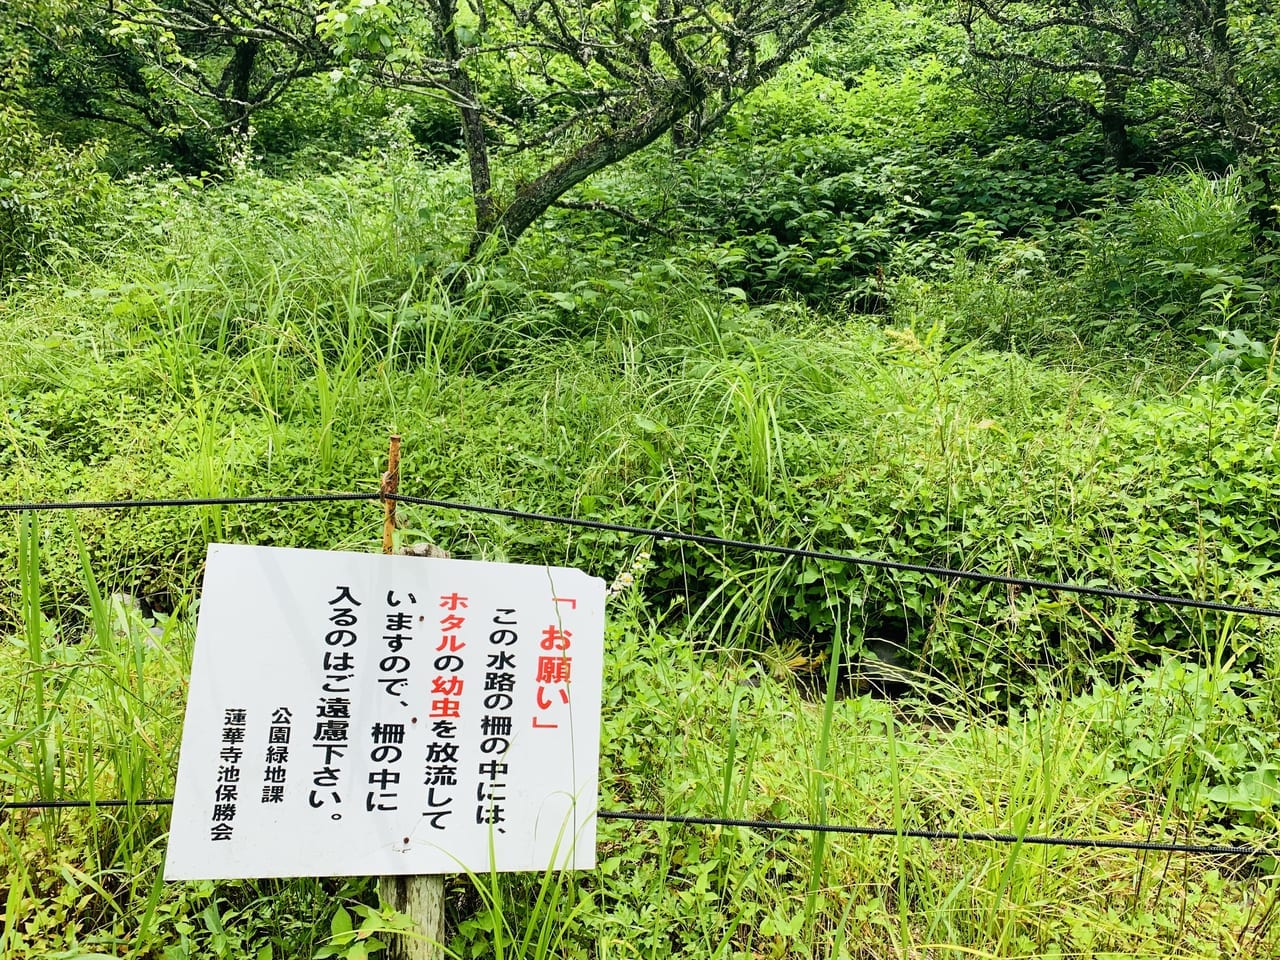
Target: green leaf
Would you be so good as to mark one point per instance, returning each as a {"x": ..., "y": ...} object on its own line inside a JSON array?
[{"x": 341, "y": 922}]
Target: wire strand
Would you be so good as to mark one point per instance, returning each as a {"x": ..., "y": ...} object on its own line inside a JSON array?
[
  {"x": 76, "y": 804},
  {"x": 971, "y": 836},
  {"x": 948, "y": 573},
  {"x": 185, "y": 502},
  {"x": 801, "y": 552},
  {"x": 795, "y": 826}
]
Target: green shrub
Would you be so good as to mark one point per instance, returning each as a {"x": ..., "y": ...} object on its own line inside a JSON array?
[
  {"x": 1182, "y": 256},
  {"x": 317, "y": 124},
  {"x": 884, "y": 34},
  {"x": 1203, "y": 736},
  {"x": 903, "y": 449},
  {"x": 833, "y": 190},
  {"x": 51, "y": 197}
]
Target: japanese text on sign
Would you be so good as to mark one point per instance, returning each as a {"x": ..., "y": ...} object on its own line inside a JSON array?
[{"x": 355, "y": 714}]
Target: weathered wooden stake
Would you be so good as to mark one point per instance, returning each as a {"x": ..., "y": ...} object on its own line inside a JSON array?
[
  {"x": 390, "y": 487},
  {"x": 422, "y": 900},
  {"x": 419, "y": 898}
]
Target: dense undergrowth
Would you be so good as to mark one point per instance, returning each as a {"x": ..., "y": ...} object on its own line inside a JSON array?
[{"x": 878, "y": 319}]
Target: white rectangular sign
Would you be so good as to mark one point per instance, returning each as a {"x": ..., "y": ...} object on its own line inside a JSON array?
[{"x": 357, "y": 714}]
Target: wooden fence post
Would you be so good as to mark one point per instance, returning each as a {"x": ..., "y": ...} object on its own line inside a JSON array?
[
  {"x": 420, "y": 898},
  {"x": 390, "y": 487}
]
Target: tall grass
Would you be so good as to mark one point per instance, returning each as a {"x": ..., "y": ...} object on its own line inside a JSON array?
[{"x": 279, "y": 333}]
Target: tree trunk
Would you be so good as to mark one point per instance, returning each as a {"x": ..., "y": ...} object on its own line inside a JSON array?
[
  {"x": 236, "y": 80},
  {"x": 533, "y": 199},
  {"x": 477, "y": 146},
  {"x": 474, "y": 138},
  {"x": 1115, "y": 121}
]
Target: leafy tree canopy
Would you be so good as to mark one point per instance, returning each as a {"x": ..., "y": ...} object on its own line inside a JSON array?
[
  {"x": 1128, "y": 50},
  {"x": 573, "y": 87}
]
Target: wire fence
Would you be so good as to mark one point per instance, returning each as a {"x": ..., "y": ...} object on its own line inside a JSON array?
[
  {"x": 800, "y": 826},
  {"x": 941, "y": 572},
  {"x": 804, "y": 553}
]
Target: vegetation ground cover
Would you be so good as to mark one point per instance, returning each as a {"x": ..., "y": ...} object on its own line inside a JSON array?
[{"x": 873, "y": 314}]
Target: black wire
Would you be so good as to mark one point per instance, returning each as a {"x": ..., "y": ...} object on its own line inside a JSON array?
[
  {"x": 973, "y": 836},
  {"x": 63, "y": 804},
  {"x": 187, "y": 502},
  {"x": 945, "y": 572},
  {"x": 704, "y": 539}
]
